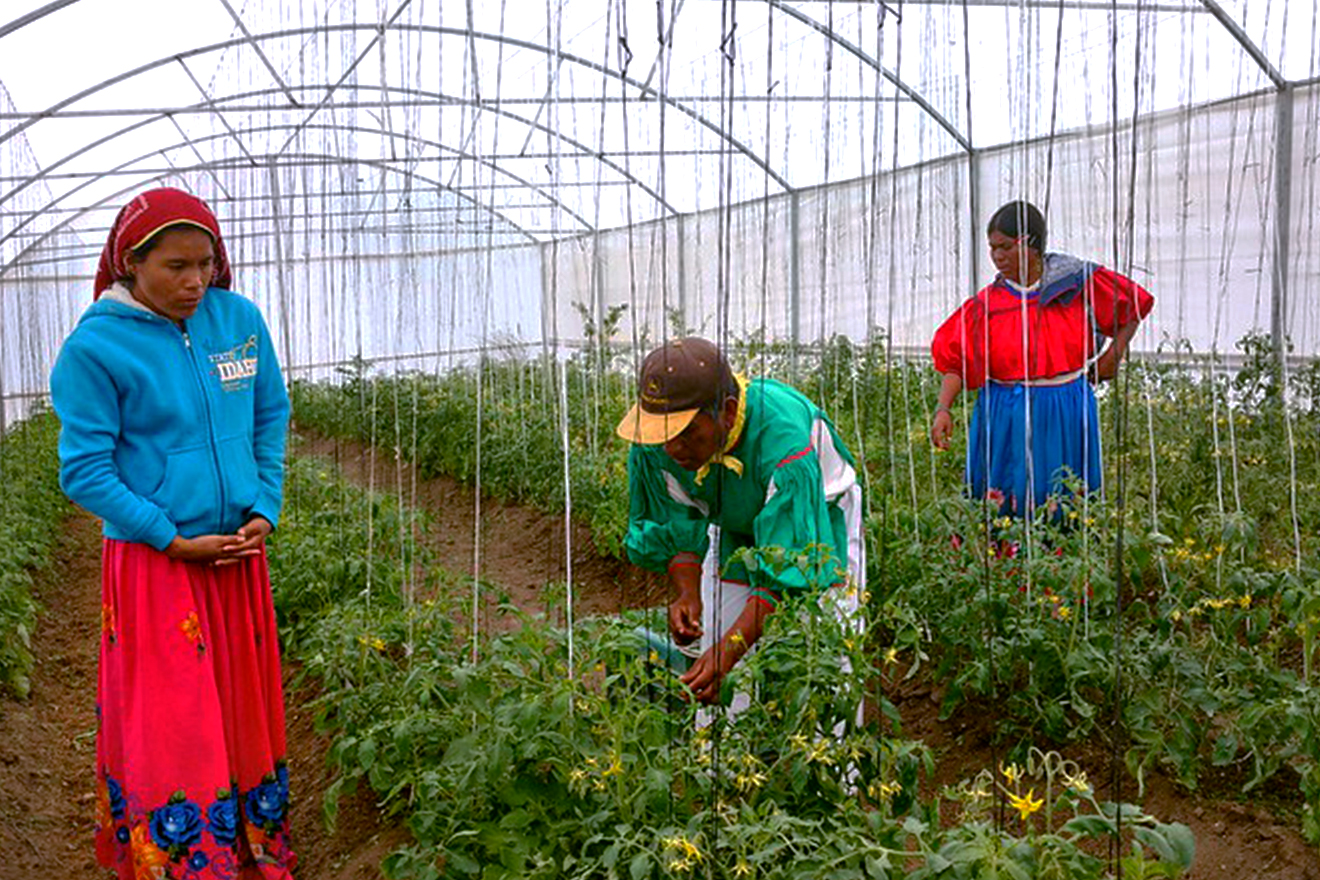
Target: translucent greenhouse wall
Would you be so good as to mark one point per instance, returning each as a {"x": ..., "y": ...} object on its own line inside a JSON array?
[{"x": 1184, "y": 201}]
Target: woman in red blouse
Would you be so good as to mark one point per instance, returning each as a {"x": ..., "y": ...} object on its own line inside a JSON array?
[{"x": 1033, "y": 341}]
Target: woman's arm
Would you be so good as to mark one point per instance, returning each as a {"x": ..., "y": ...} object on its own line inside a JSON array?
[
  {"x": 1105, "y": 366},
  {"x": 941, "y": 427}
]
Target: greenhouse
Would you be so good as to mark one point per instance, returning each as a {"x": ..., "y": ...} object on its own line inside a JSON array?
[{"x": 466, "y": 225}]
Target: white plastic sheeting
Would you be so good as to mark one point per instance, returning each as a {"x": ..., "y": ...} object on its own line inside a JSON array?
[{"x": 407, "y": 181}]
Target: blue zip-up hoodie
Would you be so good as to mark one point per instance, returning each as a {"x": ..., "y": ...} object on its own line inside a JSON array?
[{"x": 169, "y": 430}]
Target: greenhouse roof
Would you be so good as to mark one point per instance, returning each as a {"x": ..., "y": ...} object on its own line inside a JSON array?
[{"x": 535, "y": 121}]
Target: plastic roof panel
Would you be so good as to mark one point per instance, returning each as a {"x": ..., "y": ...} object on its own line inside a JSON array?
[{"x": 600, "y": 113}]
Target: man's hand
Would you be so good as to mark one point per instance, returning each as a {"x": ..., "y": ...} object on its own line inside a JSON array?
[
  {"x": 685, "y": 610},
  {"x": 707, "y": 674}
]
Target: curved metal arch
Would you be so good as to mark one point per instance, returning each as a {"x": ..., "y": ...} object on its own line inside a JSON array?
[
  {"x": 25, "y": 20},
  {"x": 204, "y": 166},
  {"x": 1248, "y": 45},
  {"x": 558, "y": 54},
  {"x": 227, "y": 163},
  {"x": 210, "y": 104},
  {"x": 911, "y": 93},
  {"x": 220, "y": 135}
]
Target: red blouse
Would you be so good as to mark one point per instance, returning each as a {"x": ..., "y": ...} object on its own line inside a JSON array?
[{"x": 985, "y": 338}]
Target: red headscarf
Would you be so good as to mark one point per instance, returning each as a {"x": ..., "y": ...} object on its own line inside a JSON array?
[{"x": 148, "y": 214}]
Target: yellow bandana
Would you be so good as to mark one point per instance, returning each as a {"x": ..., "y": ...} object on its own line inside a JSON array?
[{"x": 735, "y": 434}]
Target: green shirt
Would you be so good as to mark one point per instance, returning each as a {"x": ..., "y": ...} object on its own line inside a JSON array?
[{"x": 795, "y": 467}]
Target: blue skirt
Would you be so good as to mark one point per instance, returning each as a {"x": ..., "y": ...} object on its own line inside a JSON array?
[{"x": 1025, "y": 441}]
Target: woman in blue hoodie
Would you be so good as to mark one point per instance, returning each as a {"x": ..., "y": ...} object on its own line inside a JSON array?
[{"x": 173, "y": 415}]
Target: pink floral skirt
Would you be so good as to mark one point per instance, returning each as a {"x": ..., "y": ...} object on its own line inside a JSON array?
[{"x": 191, "y": 778}]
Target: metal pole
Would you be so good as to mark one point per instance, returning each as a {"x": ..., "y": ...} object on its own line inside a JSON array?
[
  {"x": 682, "y": 276},
  {"x": 1283, "y": 166},
  {"x": 974, "y": 227},
  {"x": 286, "y": 318},
  {"x": 794, "y": 281}
]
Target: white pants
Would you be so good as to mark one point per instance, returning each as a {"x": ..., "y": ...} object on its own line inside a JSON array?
[{"x": 723, "y": 601}]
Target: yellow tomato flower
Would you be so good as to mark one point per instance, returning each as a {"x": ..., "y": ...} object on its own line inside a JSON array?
[
  {"x": 749, "y": 781},
  {"x": 883, "y": 791},
  {"x": 1025, "y": 805},
  {"x": 1012, "y": 773},
  {"x": 742, "y": 869},
  {"x": 820, "y": 754},
  {"x": 1078, "y": 783},
  {"x": 891, "y": 655}
]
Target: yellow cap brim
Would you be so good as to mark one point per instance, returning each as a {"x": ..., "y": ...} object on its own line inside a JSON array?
[{"x": 652, "y": 429}]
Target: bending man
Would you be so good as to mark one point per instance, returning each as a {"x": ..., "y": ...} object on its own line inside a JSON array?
[{"x": 719, "y": 464}]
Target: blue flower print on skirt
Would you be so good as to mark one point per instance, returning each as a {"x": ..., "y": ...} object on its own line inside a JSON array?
[
  {"x": 222, "y": 818},
  {"x": 266, "y": 803},
  {"x": 177, "y": 826}
]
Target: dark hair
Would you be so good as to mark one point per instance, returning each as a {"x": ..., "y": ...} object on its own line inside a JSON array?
[{"x": 1019, "y": 219}]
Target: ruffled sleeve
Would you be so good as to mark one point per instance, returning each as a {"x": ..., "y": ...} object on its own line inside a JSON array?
[
  {"x": 664, "y": 521},
  {"x": 959, "y": 344},
  {"x": 801, "y": 540},
  {"x": 1116, "y": 300}
]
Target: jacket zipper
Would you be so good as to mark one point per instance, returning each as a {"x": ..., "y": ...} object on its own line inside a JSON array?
[{"x": 210, "y": 423}]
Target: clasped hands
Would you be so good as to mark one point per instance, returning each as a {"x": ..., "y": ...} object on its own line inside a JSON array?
[{"x": 222, "y": 549}]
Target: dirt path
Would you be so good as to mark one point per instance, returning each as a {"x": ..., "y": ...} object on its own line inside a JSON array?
[
  {"x": 47, "y": 750},
  {"x": 521, "y": 549},
  {"x": 48, "y": 753}
]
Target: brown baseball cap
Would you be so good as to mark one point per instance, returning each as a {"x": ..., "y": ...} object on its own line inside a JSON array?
[{"x": 676, "y": 381}]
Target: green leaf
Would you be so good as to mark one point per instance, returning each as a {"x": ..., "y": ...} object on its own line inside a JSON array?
[
  {"x": 1090, "y": 826},
  {"x": 1226, "y": 749},
  {"x": 640, "y": 866},
  {"x": 877, "y": 867},
  {"x": 938, "y": 863},
  {"x": 367, "y": 753}
]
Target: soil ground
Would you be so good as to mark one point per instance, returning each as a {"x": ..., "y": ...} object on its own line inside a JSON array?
[{"x": 47, "y": 751}]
